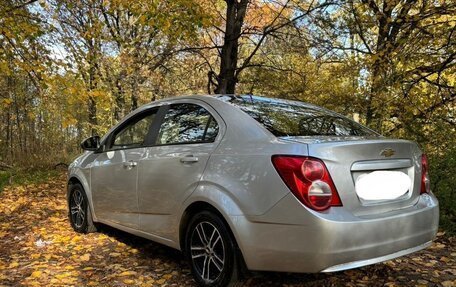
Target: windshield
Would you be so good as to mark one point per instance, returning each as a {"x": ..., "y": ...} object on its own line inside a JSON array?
[{"x": 289, "y": 118}]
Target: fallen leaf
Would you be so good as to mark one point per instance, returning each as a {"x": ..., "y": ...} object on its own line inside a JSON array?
[
  {"x": 36, "y": 274},
  {"x": 85, "y": 257}
]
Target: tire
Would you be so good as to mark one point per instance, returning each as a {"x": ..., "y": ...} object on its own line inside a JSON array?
[
  {"x": 79, "y": 211},
  {"x": 213, "y": 262}
]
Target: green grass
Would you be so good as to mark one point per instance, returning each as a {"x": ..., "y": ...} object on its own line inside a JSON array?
[
  {"x": 4, "y": 178},
  {"x": 22, "y": 177}
]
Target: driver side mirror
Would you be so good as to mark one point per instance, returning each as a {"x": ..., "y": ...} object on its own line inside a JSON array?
[{"x": 91, "y": 144}]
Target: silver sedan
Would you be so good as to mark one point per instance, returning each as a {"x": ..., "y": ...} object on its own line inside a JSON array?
[{"x": 246, "y": 182}]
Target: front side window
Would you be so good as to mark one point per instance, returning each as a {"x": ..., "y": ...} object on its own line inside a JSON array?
[
  {"x": 187, "y": 123},
  {"x": 134, "y": 133}
]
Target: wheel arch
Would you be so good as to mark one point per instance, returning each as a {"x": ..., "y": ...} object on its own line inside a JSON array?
[
  {"x": 77, "y": 179},
  {"x": 198, "y": 206},
  {"x": 191, "y": 211}
]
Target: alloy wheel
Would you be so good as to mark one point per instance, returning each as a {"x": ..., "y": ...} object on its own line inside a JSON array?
[
  {"x": 77, "y": 208},
  {"x": 207, "y": 251}
]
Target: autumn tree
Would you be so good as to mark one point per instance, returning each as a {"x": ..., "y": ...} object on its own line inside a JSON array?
[
  {"x": 247, "y": 25},
  {"x": 79, "y": 28},
  {"x": 24, "y": 62},
  {"x": 145, "y": 35},
  {"x": 403, "y": 45}
]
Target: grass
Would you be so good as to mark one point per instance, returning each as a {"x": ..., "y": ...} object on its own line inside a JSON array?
[
  {"x": 24, "y": 177},
  {"x": 4, "y": 178}
]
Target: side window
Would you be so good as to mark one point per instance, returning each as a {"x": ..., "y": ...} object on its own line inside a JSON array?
[
  {"x": 134, "y": 133},
  {"x": 187, "y": 123}
]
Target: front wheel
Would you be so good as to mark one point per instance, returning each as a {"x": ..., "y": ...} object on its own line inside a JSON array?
[
  {"x": 211, "y": 251},
  {"x": 79, "y": 211}
]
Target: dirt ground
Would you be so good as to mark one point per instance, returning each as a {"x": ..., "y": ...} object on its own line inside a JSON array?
[{"x": 39, "y": 248}]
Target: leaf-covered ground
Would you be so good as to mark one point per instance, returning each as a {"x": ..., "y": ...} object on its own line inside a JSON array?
[{"x": 39, "y": 248}]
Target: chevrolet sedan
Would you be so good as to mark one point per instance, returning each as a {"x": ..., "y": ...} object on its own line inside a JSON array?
[{"x": 247, "y": 182}]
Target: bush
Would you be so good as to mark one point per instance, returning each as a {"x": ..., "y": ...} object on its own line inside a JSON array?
[{"x": 443, "y": 184}]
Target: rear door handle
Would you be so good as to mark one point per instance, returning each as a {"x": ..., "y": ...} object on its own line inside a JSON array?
[
  {"x": 130, "y": 164},
  {"x": 188, "y": 159}
]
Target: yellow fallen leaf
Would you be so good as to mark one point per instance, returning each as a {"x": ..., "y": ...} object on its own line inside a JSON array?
[
  {"x": 62, "y": 275},
  {"x": 13, "y": 265},
  {"x": 448, "y": 284},
  {"x": 36, "y": 274},
  {"x": 128, "y": 281},
  {"x": 127, "y": 273},
  {"x": 87, "y": 269},
  {"x": 85, "y": 257}
]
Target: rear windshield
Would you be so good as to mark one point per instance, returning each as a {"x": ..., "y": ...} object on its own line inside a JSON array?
[{"x": 286, "y": 118}]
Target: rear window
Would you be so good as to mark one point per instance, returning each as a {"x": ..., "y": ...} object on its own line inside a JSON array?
[{"x": 286, "y": 118}]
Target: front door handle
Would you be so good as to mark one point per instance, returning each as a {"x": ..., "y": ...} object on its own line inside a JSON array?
[
  {"x": 188, "y": 159},
  {"x": 130, "y": 164}
]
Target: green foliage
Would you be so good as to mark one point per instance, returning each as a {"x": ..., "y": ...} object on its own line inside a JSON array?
[{"x": 443, "y": 184}]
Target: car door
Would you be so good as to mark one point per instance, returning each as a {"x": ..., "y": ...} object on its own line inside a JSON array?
[
  {"x": 169, "y": 173},
  {"x": 114, "y": 172}
]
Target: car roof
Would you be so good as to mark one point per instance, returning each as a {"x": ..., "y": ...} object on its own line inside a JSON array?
[{"x": 226, "y": 97}]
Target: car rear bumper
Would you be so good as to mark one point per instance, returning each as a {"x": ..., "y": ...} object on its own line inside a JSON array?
[{"x": 291, "y": 238}]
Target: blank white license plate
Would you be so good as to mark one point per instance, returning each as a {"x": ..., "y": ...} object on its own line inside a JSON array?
[{"x": 382, "y": 185}]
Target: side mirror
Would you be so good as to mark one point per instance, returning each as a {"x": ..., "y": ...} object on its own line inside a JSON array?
[{"x": 91, "y": 144}]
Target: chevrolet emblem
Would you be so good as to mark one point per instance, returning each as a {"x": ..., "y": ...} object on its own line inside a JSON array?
[{"x": 388, "y": 152}]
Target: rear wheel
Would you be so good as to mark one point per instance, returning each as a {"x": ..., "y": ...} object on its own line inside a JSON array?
[
  {"x": 79, "y": 211},
  {"x": 211, "y": 251}
]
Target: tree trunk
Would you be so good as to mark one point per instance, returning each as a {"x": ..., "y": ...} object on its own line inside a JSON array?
[
  {"x": 92, "y": 105},
  {"x": 93, "y": 70},
  {"x": 134, "y": 94},
  {"x": 235, "y": 13},
  {"x": 119, "y": 108}
]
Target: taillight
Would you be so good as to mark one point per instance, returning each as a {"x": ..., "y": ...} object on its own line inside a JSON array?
[
  {"x": 425, "y": 182},
  {"x": 308, "y": 179}
]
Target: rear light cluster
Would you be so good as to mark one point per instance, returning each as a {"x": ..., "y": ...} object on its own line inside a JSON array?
[
  {"x": 425, "y": 182},
  {"x": 308, "y": 179}
]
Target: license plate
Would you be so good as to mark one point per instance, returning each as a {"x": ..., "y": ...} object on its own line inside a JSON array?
[{"x": 382, "y": 185}]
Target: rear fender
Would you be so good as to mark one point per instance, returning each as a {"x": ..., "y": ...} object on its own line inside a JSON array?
[{"x": 219, "y": 199}]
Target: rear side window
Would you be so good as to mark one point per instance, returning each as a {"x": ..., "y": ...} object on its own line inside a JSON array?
[
  {"x": 286, "y": 118},
  {"x": 187, "y": 123}
]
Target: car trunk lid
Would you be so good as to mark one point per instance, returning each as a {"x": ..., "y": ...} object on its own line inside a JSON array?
[{"x": 349, "y": 159}]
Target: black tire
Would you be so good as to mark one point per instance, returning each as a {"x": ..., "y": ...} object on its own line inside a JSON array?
[
  {"x": 200, "y": 251},
  {"x": 79, "y": 211}
]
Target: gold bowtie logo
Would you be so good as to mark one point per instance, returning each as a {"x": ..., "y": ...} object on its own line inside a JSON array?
[{"x": 388, "y": 152}]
